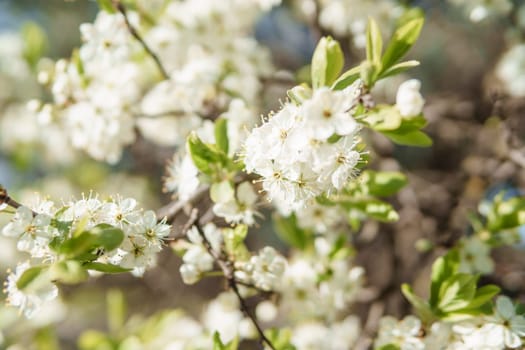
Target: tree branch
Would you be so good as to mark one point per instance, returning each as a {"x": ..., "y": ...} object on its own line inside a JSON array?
[
  {"x": 133, "y": 31},
  {"x": 5, "y": 199},
  {"x": 229, "y": 273}
]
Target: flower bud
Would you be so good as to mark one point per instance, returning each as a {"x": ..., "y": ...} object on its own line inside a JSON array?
[{"x": 408, "y": 100}]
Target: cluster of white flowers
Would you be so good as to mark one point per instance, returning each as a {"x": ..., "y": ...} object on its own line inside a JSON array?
[
  {"x": 31, "y": 301},
  {"x": 224, "y": 316},
  {"x": 111, "y": 85},
  {"x": 475, "y": 256},
  {"x": 317, "y": 335},
  {"x": 183, "y": 176},
  {"x": 36, "y": 228},
  {"x": 18, "y": 126},
  {"x": 307, "y": 150},
  {"x": 478, "y": 10},
  {"x": 315, "y": 286},
  {"x": 321, "y": 218},
  {"x": 511, "y": 70},
  {"x": 504, "y": 329},
  {"x": 264, "y": 270},
  {"x": 239, "y": 207},
  {"x": 15, "y": 74},
  {"x": 197, "y": 260},
  {"x": 211, "y": 61},
  {"x": 345, "y": 17}
]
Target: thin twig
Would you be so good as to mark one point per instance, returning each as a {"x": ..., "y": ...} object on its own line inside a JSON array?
[
  {"x": 133, "y": 31},
  {"x": 229, "y": 272},
  {"x": 171, "y": 210},
  {"x": 5, "y": 199}
]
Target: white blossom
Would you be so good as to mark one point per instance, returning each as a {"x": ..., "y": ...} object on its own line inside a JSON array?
[
  {"x": 241, "y": 207},
  {"x": 33, "y": 297},
  {"x": 475, "y": 256},
  {"x": 409, "y": 101},
  {"x": 510, "y": 70}
]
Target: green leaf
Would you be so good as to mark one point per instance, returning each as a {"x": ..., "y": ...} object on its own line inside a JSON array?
[
  {"x": 218, "y": 344},
  {"x": 106, "y": 5},
  {"x": 68, "y": 272},
  {"x": 289, "y": 231},
  {"x": 506, "y": 214},
  {"x": 35, "y": 43},
  {"x": 106, "y": 268},
  {"x": 116, "y": 310},
  {"x": 443, "y": 268},
  {"x": 374, "y": 42},
  {"x": 483, "y": 296},
  {"x": 384, "y": 118},
  {"x": 95, "y": 340},
  {"x": 101, "y": 236},
  {"x": 300, "y": 93},
  {"x": 46, "y": 339},
  {"x": 340, "y": 249},
  {"x": 222, "y": 192},
  {"x": 108, "y": 237},
  {"x": 29, "y": 276},
  {"x": 234, "y": 241},
  {"x": 389, "y": 347},
  {"x": 373, "y": 208},
  {"x": 412, "y": 138},
  {"x": 421, "y": 307},
  {"x": 456, "y": 292},
  {"x": 383, "y": 183},
  {"x": 347, "y": 78},
  {"x": 221, "y": 134},
  {"x": 202, "y": 155},
  {"x": 398, "y": 69},
  {"x": 280, "y": 338},
  {"x": 402, "y": 40},
  {"x": 369, "y": 72},
  {"x": 327, "y": 62}
]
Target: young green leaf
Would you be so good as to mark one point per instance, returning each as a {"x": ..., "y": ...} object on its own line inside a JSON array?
[
  {"x": 483, "y": 296},
  {"x": 414, "y": 138},
  {"x": 402, "y": 40},
  {"x": 327, "y": 62},
  {"x": 106, "y": 268},
  {"x": 456, "y": 292},
  {"x": 219, "y": 345},
  {"x": 108, "y": 237},
  {"x": 116, "y": 310},
  {"x": 398, "y": 68},
  {"x": 421, "y": 307},
  {"x": 202, "y": 155},
  {"x": 106, "y": 5},
  {"x": 68, "y": 272},
  {"x": 221, "y": 134},
  {"x": 300, "y": 93},
  {"x": 35, "y": 41},
  {"x": 506, "y": 214},
  {"x": 347, "y": 78},
  {"x": 383, "y": 183},
  {"x": 374, "y": 42},
  {"x": 29, "y": 275},
  {"x": 443, "y": 268},
  {"x": 289, "y": 231}
]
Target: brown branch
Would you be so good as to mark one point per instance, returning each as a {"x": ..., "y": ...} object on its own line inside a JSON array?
[
  {"x": 5, "y": 199},
  {"x": 229, "y": 271},
  {"x": 133, "y": 31}
]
